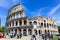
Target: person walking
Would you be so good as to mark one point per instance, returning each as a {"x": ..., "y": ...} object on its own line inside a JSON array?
[{"x": 33, "y": 37}]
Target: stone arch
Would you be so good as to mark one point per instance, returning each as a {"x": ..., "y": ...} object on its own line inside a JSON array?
[
  {"x": 20, "y": 30},
  {"x": 35, "y": 32},
  {"x": 30, "y": 23},
  {"x": 48, "y": 32},
  {"x": 45, "y": 31},
  {"x": 35, "y": 23},
  {"x": 15, "y": 31},
  {"x": 44, "y": 20},
  {"x": 41, "y": 24},
  {"x": 39, "y": 31},
  {"x": 30, "y": 32},
  {"x": 24, "y": 32},
  {"x": 25, "y": 22},
  {"x": 20, "y": 22}
]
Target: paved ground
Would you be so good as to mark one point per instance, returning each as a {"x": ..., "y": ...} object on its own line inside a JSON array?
[{"x": 23, "y": 38}]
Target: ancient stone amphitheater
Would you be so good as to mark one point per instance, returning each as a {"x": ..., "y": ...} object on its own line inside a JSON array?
[{"x": 17, "y": 21}]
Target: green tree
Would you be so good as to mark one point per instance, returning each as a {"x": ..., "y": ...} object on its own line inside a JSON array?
[
  {"x": 59, "y": 29},
  {"x": 2, "y": 29}
]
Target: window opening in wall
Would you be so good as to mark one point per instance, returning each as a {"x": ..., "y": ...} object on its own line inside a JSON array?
[
  {"x": 24, "y": 32},
  {"x": 15, "y": 30},
  {"x": 30, "y": 31},
  {"x": 16, "y": 23},
  {"x": 20, "y": 22},
  {"x": 44, "y": 24},
  {"x": 19, "y": 30},
  {"x": 34, "y": 24},
  {"x": 47, "y": 25},
  {"x": 39, "y": 31},
  {"x": 13, "y": 23},
  {"x": 20, "y": 14},
  {"x": 25, "y": 22},
  {"x": 41, "y": 24},
  {"x": 44, "y": 20},
  {"x": 30, "y": 23},
  {"x": 35, "y": 32}
]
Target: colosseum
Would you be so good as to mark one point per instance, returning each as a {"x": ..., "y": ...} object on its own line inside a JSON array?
[{"x": 17, "y": 21}]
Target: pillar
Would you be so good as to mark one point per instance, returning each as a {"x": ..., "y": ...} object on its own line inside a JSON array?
[
  {"x": 14, "y": 23},
  {"x": 17, "y": 31},
  {"x": 11, "y": 24},
  {"x": 27, "y": 22},
  {"x": 18, "y": 23},
  {"x": 22, "y": 22},
  {"x": 13, "y": 30},
  {"x": 46, "y": 24},
  {"x": 27, "y": 31},
  {"x": 22, "y": 31},
  {"x": 43, "y": 24}
]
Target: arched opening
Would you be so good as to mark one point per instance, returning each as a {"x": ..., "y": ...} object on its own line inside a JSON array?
[
  {"x": 20, "y": 30},
  {"x": 44, "y": 20},
  {"x": 45, "y": 31},
  {"x": 48, "y": 32},
  {"x": 20, "y": 14},
  {"x": 16, "y": 23},
  {"x": 39, "y": 31},
  {"x": 35, "y": 32},
  {"x": 25, "y": 22},
  {"x": 34, "y": 24},
  {"x": 30, "y": 32},
  {"x": 30, "y": 23},
  {"x": 44, "y": 24},
  {"x": 20, "y": 22},
  {"x": 24, "y": 32},
  {"x": 12, "y": 23},
  {"x": 41, "y": 24},
  {"x": 47, "y": 25},
  {"x": 15, "y": 31}
]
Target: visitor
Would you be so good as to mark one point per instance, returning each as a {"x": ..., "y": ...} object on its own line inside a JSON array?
[
  {"x": 33, "y": 37},
  {"x": 14, "y": 35},
  {"x": 20, "y": 34},
  {"x": 43, "y": 36},
  {"x": 10, "y": 34}
]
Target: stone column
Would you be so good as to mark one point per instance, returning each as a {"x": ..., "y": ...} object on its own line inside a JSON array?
[
  {"x": 43, "y": 24},
  {"x": 17, "y": 31},
  {"x": 27, "y": 22},
  {"x": 22, "y": 22},
  {"x": 14, "y": 23},
  {"x": 46, "y": 24},
  {"x": 11, "y": 24},
  {"x": 13, "y": 30},
  {"x": 22, "y": 31},
  {"x": 32, "y": 31},
  {"x": 18, "y": 23},
  {"x": 27, "y": 31}
]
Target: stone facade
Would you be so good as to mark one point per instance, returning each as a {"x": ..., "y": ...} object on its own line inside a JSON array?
[{"x": 16, "y": 22}]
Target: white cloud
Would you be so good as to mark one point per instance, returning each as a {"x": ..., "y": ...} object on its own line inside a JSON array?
[{"x": 54, "y": 10}]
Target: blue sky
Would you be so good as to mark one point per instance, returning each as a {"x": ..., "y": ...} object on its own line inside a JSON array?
[{"x": 48, "y": 8}]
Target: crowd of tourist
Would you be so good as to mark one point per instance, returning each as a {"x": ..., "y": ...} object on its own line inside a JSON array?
[
  {"x": 34, "y": 36},
  {"x": 44, "y": 37},
  {"x": 13, "y": 35}
]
